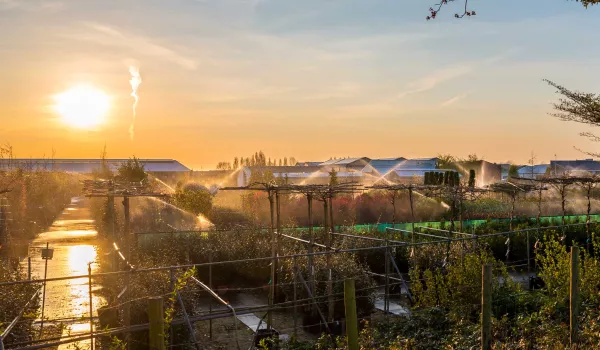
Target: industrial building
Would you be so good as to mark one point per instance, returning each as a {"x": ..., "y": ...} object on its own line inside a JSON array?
[{"x": 88, "y": 166}]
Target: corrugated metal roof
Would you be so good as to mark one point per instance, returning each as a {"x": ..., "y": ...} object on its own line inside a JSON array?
[
  {"x": 89, "y": 165},
  {"x": 308, "y": 163},
  {"x": 387, "y": 159},
  {"x": 434, "y": 158},
  {"x": 285, "y": 169},
  {"x": 581, "y": 165},
  {"x": 537, "y": 169},
  {"x": 384, "y": 166},
  {"x": 346, "y": 161}
]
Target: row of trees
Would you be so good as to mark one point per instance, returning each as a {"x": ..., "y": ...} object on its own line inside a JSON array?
[{"x": 257, "y": 159}]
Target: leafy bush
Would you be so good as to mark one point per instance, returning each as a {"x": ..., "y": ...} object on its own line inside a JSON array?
[{"x": 19, "y": 295}]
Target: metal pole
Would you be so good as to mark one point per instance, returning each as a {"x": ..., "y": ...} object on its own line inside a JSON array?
[
  {"x": 187, "y": 321},
  {"x": 351, "y": 318},
  {"x": 574, "y": 294},
  {"x": 29, "y": 268},
  {"x": 91, "y": 306},
  {"x": 44, "y": 292},
  {"x": 486, "y": 307},
  {"x": 314, "y": 301}
]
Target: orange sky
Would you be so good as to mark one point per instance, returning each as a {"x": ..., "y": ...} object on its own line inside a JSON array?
[{"x": 312, "y": 80}]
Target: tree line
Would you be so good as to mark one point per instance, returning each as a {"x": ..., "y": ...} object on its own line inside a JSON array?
[{"x": 257, "y": 159}]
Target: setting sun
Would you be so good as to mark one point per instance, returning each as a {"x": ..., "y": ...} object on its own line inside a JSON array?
[{"x": 82, "y": 106}]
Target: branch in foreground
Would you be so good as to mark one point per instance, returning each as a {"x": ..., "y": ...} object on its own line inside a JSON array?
[
  {"x": 433, "y": 11},
  {"x": 581, "y": 107}
]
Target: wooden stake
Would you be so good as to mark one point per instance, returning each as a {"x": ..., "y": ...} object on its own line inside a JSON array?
[
  {"x": 486, "y": 307},
  {"x": 273, "y": 262},
  {"x": 157, "y": 323},
  {"x": 351, "y": 317},
  {"x": 574, "y": 294}
]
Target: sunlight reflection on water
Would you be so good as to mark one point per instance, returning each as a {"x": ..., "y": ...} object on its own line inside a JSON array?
[{"x": 74, "y": 247}]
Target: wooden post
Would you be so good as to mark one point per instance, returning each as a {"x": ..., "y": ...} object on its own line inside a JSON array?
[
  {"x": 126, "y": 214},
  {"x": 394, "y": 193},
  {"x": 330, "y": 301},
  {"x": 412, "y": 215},
  {"x": 486, "y": 307},
  {"x": 91, "y": 306},
  {"x": 278, "y": 231},
  {"x": 210, "y": 285},
  {"x": 386, "y": 304},
  {"x": 351, "y": 317},
  {"x": 574, "y": 293},
  {"x": 331, "y": 213},
  {"x": 528, "y": 255},
  {"x": 29, "y": 268},
  {"x": 111, "y": 209},
  {"x": 157, "y": 323},
  {"x": 273, "y": 261},
  {"x": 295, "y": 272},
  {"x": 311, "y": 238}
]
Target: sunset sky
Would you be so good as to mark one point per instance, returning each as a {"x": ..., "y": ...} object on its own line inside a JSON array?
[{"x": 305, "y": 78}]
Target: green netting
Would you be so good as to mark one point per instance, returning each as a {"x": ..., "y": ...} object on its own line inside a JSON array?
[{"x": 469, "y": 224}]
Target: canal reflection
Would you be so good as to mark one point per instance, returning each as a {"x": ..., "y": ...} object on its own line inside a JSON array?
[{"x": 73, "y": 238}]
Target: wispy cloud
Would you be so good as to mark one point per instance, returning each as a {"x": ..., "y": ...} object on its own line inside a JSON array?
[
  {"x": 454, "y": 99},
  {"x": 110, "y": 36},
  {"x": 30, "y": 5},
  {"x": 436, "y": 78},
  {"x": 443, "y": 75}
]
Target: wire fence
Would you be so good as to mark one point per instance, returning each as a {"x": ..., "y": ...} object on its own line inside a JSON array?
[{"x": 308, "y": 296}]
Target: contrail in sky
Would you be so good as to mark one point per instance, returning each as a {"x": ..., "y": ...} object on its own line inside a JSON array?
[{"x": 135, "y": 82}]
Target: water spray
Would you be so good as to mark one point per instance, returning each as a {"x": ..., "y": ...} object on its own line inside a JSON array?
[{"x": 135, "y": 82}]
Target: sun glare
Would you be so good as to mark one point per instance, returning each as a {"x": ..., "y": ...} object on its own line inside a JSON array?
[{"x": 82, "y": 106}]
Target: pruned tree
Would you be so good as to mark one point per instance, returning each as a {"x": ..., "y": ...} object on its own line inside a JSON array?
[
  {"x": 194, "y": 198},
  {"x": 132, "y": 171},
  {"x": 10, "y": 173},
  {"x": 445, "y": 160},
  {"x": 513, "y": 171},
  {"x": 473, "y": 158}
]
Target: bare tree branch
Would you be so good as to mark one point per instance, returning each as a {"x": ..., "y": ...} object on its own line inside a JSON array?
[
  {"x": 580, "y": 107},
  {"x": 590, "y": 136},
  {"x": 591, "y": 154},
  {"x": 433, "y": 11}
]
